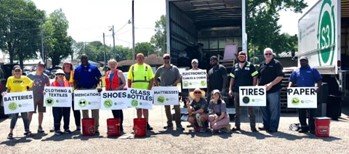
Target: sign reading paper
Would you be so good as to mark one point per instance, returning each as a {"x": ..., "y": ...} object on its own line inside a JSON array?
[
  {"x": 194, "y": 79},
  {"x": 87, "y": 99},
  {"x": 18, "y": 102},
  {"x": 58, "y": 96},
  {"x": 301, "y": 97},
  {"x": 252, "y": 96},
  {"x": 141, "y": 99},
  {"x": 166, "y": 96},
  {"x": 114, "y": 100}
]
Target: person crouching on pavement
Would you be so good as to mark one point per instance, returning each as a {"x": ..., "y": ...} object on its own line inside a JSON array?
[
  {"x": 61, "y": 112},
  {"x": 197, "y": 110},
  {"x": 218, "y": 117}
]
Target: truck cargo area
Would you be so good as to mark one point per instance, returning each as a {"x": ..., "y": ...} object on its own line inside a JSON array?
[{"x": 200, "y": 29}]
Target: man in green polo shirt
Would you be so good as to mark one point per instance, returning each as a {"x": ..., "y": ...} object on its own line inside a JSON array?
[{"x": 140, "y": 76}]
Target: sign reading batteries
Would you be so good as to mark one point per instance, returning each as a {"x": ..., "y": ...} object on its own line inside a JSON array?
[
  {"x": 18, "y": 102},
  {"x": 58, "y": 96},
  {"x": 252, "y": 96},
  {"x": 114, "y": 100},
  {"x": 194, "y": 79},
  {"x": 301, "y": 97},
  {"x": 139, "y": 98},
  {"x": 87, "y": 99},
  {"x": 166, "y": 96}
]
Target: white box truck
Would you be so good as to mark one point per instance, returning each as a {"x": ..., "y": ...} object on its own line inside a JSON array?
[
  {"x": 202, "y": 28},
  {"x": 323, "y": 36}
]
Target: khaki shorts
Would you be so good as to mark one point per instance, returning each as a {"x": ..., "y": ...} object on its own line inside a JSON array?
[{"x": 39, "y": 105}]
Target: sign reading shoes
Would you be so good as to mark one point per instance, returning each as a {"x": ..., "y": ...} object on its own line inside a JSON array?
[
  {"x": 114, "y": 100},
  {"x": 252, "y": 96},
  {"x": 301, "y": 97}
]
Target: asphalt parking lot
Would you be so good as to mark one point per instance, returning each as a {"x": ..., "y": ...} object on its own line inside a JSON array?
[{"x": 161, "y": 141}]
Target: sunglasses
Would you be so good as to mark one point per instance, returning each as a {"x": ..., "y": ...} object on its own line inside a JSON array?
[
  {"x": 167, "y": 58},
  {"x": 197, "y": 92},
  {"x": 267, "y": 54},
  {"x": 17, "y": 70}
]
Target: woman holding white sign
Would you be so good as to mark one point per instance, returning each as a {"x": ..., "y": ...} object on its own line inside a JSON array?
[
  {"x": 115, "y": 80},
  {"x": 61, "y": 112},
  {"x": 218, "y": 117},
  {"x": 18, "y": 83},
  {"x": 197, "y": 109}
]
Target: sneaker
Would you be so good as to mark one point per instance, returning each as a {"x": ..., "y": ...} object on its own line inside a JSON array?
[
  {"x": 253, "y": 129},
  {"x": 78, "y": 129},
  {"x": 10, "y": 136},
  {"x": 236, "y": 129},
  {"x": 28, "y": 133},
  {"x": 67, "y": 131},
  {"x": 262, "y": 128},
  {"x": 58, "y": 132},
  {"x": 52, "y": 129},
  {"x": 149, "y": 127},
  {"x": 40, "y": 130},
  {"x": 202, "y": 130},
  {"x": 180, "y": 128},
  {"x": 168, "y": 127}
]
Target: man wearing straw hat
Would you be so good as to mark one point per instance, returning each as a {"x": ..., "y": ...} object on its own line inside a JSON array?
[{"x": 169, "y": 76}]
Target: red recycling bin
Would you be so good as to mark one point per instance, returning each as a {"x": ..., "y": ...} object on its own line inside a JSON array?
[
  {"x": 140, "y": 127},
  {"x": 322, "y": 126},
  {"x": 88, "y": 126},
  {"x": 113, "y": 127}
]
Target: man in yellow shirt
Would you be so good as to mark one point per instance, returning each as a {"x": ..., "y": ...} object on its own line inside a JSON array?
[
  {"x": 140, "y": 76},
  {"x": 18, "y": 83}
]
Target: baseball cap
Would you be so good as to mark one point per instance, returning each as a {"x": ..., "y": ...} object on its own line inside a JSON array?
[
  {"x": 194, "y": 61},
  {"x": 40, "y": 63},
  {"x": 59, "y": 72},
  {"x": 16, "y": 67},
  {"x": 166, "y": 55},
  {"x": 214, "y": 58},
  {"x": 304, "y": 58}
]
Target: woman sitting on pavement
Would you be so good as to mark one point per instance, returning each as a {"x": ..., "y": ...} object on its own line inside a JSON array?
[
  {"x": 218, "y": 117},
  {"x": 61, "y": 112},
  {"x": 197, "y": 110}
]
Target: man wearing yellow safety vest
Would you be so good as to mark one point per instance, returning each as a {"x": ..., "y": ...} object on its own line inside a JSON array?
[{"x": 140, "y": 76}]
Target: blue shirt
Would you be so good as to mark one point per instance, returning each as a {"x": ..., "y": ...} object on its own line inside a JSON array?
[
  {"x": 87, "y": 77},
  {"x": 305, "y": 77}
]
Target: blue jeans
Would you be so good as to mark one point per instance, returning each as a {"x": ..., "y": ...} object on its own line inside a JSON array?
[{"x": 271, "y": 113}]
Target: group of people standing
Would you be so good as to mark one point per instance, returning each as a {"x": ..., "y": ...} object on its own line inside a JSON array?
[{"x": 205, "y": 111}]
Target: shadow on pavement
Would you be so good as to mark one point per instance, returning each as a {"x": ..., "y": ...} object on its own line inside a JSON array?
[
  {"x": 39, "y": 136},
  {"x": 257, "y": 135},
  {"x": 16, "y": 140},
  {"x": 174, "y": 133}
]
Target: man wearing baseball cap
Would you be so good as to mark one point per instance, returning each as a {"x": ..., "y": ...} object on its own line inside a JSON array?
[
  {"x": 40, "y": 81},
  {"x": 305, "y": 76}
]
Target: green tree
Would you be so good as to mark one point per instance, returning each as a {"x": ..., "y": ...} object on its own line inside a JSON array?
[
  {"x": 262, "y": 27},
  {"x": 58, "y": 44},
  {"x": 145, "y": 47},
  {"x": 159, "y": 38},
  {"x": 20, "y": 31}
]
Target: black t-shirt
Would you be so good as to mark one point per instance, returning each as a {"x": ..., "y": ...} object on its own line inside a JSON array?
[
  {"x": 268, "y": 73},
  {"x": 243, "y": 76},
  {"x": 215, "y": 77},
  {"x": 202, "y": 104}
]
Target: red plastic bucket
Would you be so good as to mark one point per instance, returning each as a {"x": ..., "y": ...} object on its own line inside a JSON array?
[
  {"x": 88, "y": 126},
  {"x": 322, "y": 126},
  {"x": 113, "y": 127},
  {"x": 140, "y": 127}
]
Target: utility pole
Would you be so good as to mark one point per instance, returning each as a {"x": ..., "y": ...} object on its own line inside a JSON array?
[
  {"x": 42, "y": 47},
  {"x": 113, "y": 34},
  {"x": 133, "y": 30},
  {"x": 105, "y": 54}
]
